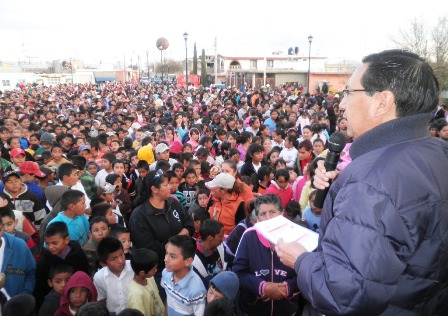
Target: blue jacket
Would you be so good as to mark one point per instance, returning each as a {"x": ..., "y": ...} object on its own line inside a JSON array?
[
  {"x": 18, "y": 266},
  {"x": 383, "y": 241},
  {"x": 255, "y": 264}
]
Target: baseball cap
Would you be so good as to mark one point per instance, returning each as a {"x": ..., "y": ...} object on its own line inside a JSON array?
[
  {"x": 222, "y": 180},
  {"x": 9, "y": 174},
  {"x": 162, "y": 147},
  {"x": 83, "y": 147},
  {"x": 106, "y": 188},
  {"x": 47, "y": 170},
  {"x": 17, "y": 151},
  {"x": 136, "y": 125},
  {"x": 31, "y": 167},
  {"x": 227, "y": 283}
]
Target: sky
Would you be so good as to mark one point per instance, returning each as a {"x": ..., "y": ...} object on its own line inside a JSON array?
[{"x": 116, "y": 31}]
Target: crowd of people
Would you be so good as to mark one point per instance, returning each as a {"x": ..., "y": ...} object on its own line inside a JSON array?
[{"x": 134, "y": 198}]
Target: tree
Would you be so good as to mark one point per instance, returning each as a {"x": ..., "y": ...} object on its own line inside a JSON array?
[
  {"x": 195, "y": 60},
  {"x": 431, "y": 45},
  {"x": 169, "y": 66},
  {"x": 203, "y": 69}
]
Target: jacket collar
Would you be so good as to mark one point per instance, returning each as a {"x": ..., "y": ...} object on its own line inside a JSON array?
[{"x": 395, "y": 131}]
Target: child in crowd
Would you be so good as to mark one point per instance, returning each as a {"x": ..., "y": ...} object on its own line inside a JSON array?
[
  {"x": 280, "y": 186},
  {"x": 173, "y": 181},
  {"x": 184, "y": 289},
  {"x": 142, "y": 169},
  {"x": 224, "y": 284},
  {"x": 179, "y": 170},
  {"x": 99, "y": 229},
  {"x": 78, "y": 291},
  {"x": 199, "y": 216},
  {"x": 58, "y": 249},
  {"x": 107, "y": 192},
  {"x": 113, "y": 280},
  {"x": 202, "y": 201},
  {"x": 10, "y": 222},
  {"x": 188, "y": 188},
  {"x": 106, "y": 168},
  {"x": 57, "y": 280},
  {"x": 17, "y": 157},
  {"x": 264, "y": 176},
  {"x": 73, "y": 214},
  {"x": 124, "y": 236},
  {"x": 312, "y": 214},
  {"x": 57, "y": 156},
  {"x": 143, "y": 293}
]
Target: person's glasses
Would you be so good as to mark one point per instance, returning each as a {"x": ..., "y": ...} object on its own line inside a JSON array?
[
  {"x": 346, "y": 92},
  {"x": 158, "y": 175}
]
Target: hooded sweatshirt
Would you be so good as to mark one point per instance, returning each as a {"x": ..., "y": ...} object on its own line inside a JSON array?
[
  {"x": 285, "y": 195},
  {"x": 78, "y": 279}
]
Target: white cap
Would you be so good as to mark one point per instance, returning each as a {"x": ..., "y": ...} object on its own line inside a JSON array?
[
  {"x": 222, "y": 180},
  {"x": 135, "y": 125},
  {"x": 162, "y": 147}
]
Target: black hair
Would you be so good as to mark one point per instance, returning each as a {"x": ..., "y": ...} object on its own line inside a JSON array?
[
  {"x": 109, "y": 157},
  {"x": 305, "y": 144},
  {"x": 177, "y": 165},
  {"x": 202, "y": 152},
  {"x": 56, "y": 228},
  {"x": 130, "y": 312},
  {"x": 112, "y": 177},
  {"x": 144, "y": 260},
  {"x": 163, "y": 165},
  {"x": 65, "y": 169},
  {"x": 200, "y": 215},
  {"x": 93, "y": 142},
  {"x": 6, "y": 211},
  {"x": 282, "y": 173},
  {"x": 97, "y": 219},
  {"x": 102, "y": 138},
  {"x": 100, "y": 209},
  {"x": 293, "y": 209},
  {"x": 253, "y": 148},
  {"x": 61, "y": 267},
  {"x": 79, "y": 161},
  {"x": 243, "y": 137},
  {"x": 70, "y": 197},
  {"x": 127, "y": 142},
  {"x": 264, "y": 171},
  {"x": 96, "y": 200},
  {"x": 210, "y": 227},
  {"x": 142, "y": 164},
  {"x": 93, "y": 309},
  {"x": 117, "y": 231},
  {"x": 186, "y": 244},
  {"x": 189, "y": 171},
  {"x": 107, "y": 246},
  {"x": 153, "y": 178},
  {"x": 222, "y": 306},
  {"x": 193, "y": 162}
]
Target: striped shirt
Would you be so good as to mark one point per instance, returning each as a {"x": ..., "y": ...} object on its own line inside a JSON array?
[{"x": 186, "y": 297}]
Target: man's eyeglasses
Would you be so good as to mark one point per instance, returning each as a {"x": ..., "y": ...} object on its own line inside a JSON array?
[{"x": 346, "y": 92}]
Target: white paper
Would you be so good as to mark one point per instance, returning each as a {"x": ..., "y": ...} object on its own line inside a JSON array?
[{"x": 280, "y": 227}]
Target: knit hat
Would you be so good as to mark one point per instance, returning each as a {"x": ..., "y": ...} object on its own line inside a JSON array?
[
  {"x": 227, "y": 283},
  {"x": 47, "y": 137}
]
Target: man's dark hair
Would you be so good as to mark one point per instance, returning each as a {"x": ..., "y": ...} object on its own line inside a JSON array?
[
  {"x": 200, "y": 215},
  {"x": 144, "y": 260},
  {"x": 93, "y": 142},
  {"x": 107, "y": 246},
  {"x": 79, "y": 161},
  {"x": 97, "y": 219},
  {"x": 186, "y": 244},
  {"x": 6, "y": 211},
  {"x": 202, "y": 152},
  {"x": 102, "y": 138},
  {"x": 164, "y": 165},
  {"x": 142, "y": 164},
  {"x": 65, "y": 169},
  {"x": 70, "y": 197},
  {"x": 61, "y": 267},
  {"x": 210, "y": 227},
  {"x": 109, "y": 157},
  {"x": 409, "y": 77},
  {"x": 222, "y": 306},
  {"x": 56, "y": 228},
  {"x": 93, "y": 309},
  {"x": 117, "y": 231}
]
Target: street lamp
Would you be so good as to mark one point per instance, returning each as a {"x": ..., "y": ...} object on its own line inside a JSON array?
[
  {"x": 161, "y": 60},
  {"x": 147, "y": 63},
  {"x": 310, "y": 39},
  {"x": 186, "y": 59}
]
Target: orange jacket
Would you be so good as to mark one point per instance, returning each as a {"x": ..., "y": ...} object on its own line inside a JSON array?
[{"x": 225, "y": 211}]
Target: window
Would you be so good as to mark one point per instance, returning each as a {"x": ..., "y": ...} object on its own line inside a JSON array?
[
  {"x": 269, "y": 63},
  {"x": 6, "y": 83},
  {"x": 253, "y": 64}
]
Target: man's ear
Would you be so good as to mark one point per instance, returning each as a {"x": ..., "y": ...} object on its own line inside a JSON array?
[
  {"x": 188, "y": 262},
  {"x": 386, "y": 104}
]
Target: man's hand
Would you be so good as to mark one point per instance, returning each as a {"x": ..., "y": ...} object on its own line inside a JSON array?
[
  {"x": 275, "y": 291},
  {"x": 322, "y": 177},
  {"x": 288, "y": 252}
]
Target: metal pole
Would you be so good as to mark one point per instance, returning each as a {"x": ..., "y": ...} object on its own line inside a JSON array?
[
  {"x": 147, "y": 63},
  {"x": 161, "y": 61},
  {"x": 310, "y": 39},
  {"x": 186, "y": 60}
]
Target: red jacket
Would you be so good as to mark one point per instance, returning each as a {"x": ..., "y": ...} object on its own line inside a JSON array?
[{"x": 285, "y": 195}]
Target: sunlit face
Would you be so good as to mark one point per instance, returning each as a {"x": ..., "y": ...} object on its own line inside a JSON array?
[
  {"x": 232, "y": 141},
  {"x": 99, "y": 231},
  {"x": 56, "y": 244},
  {"x": 307, "y": 134},
  {"x": 281, "y": 182},
  {"x": 119, "y": 168},
  {"x": 116, "y": 261},
  {"x": 267, "y": 211},
  {"x": 226, "y": 168},
  {"x": 318, "y": 148},
  {"x": 125, "y": 239},
  {"x": 274, "y": 157},
  {"x": 59, "y": 281},
  {"x": 267, "y": 145},
  {"x": 13, "y": 185},
  {"x": 164, "y": 191},
  {"x": 15, "y": 143},
  {"x": 174, "y": 260}
]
